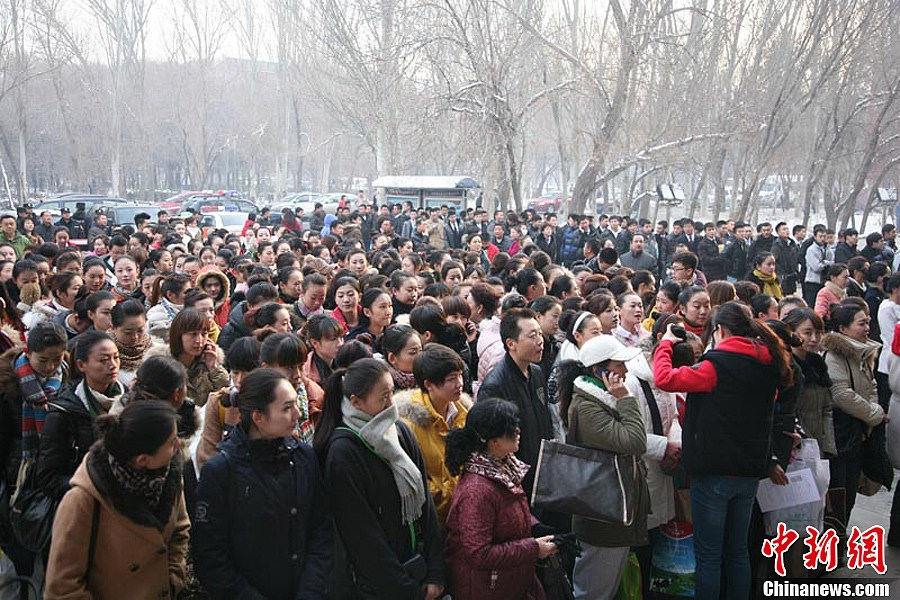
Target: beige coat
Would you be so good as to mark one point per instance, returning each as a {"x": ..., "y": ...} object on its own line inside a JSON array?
[
  {"x": 132, "y": 561},
  {"x": 851, "y": 366}
]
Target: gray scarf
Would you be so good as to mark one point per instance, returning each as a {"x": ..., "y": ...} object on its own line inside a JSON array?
[{"x": 380, "y": 432}]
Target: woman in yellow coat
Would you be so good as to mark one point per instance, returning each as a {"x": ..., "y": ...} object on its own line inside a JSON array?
[{"x": 431, "y": 410}]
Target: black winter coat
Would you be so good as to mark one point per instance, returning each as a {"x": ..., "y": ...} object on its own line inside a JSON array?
[
  {"x": 728, "y": 431},
  {"x": 787, "y": 260},
  {"x": 235, "y": 328},
  {"x": 711, "y": 263},
  {"x": 844, "y": 252},
  {"x": 68, "y": 435},
  {"x": 759, "y": 245},
  {"x": 874, "y": 297},
  {"x": 735, "y": 256},
  {"x": 10, "y": 418},
  {"x": 551, "y": 247},
  {"x": 263, "y": 526},
  {"x": 367, "y": 512},
  {"x": 784, "y": 416},
  {"x": 530, "y": 395}
]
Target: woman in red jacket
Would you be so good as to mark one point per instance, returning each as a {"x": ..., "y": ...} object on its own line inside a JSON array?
[
  {"x": 727, "y": 439},
  {"x": 491, "y": 551}
]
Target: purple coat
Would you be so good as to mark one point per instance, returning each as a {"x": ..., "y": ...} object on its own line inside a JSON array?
[{"x": 490, "y": 550}]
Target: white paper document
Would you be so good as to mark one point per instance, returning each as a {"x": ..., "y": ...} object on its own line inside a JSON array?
[{"x": 801, "y": 489}]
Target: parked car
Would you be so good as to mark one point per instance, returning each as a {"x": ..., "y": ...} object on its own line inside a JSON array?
[
  {"x": 71, "y": 202},
  {"x": 118, "y": 215},
  {"x": 232, "y": 222},
  {"x": 546, "y": 203},
  {"x": 292, "y": 199},
  {"x": 220, "y": 203}
]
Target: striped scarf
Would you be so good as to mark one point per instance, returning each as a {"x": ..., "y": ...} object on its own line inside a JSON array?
[{"x": 36, "y": 392}]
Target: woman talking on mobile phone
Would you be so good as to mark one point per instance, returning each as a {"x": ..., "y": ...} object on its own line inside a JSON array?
[
  {"x": 601, "y": 413},
  {"x": 189, "y": 344}
]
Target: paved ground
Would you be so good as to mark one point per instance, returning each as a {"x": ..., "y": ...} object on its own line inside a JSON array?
[{"x": 875, "y": 510}]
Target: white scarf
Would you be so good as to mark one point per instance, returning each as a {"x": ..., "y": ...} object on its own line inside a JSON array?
[{"x": 380, "y": 432}]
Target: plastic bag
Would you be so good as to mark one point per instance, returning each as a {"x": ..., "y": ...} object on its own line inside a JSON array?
[
  {"x": 803, "y": 515},
  {"x": 673, "y": 563},
  {"x": 630, "y": 585}
]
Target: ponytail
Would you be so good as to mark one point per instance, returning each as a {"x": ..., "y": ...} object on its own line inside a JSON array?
[
  {"x": 488, "y": 419},
  {"x": 733, "y": 317},
  {"x": 461, "y": 444},
  {"x": 355, "y": 380}
]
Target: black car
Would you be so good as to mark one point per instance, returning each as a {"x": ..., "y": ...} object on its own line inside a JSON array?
[
  {"x": 118, "y": 215},
  {"x": 71, "y": 201}
]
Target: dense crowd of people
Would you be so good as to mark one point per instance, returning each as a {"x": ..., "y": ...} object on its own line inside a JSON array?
[{"x": 354, "y": 407}]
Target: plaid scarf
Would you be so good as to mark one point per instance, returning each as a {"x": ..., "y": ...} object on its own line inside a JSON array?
[
  {"x": 508, "y": 472},
  {"x": 304, "y": 425},
  {"x": 36, "y": 392}
]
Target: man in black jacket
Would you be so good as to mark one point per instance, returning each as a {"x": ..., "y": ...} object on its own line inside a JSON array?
[
  {"x": 453, "y": 229},
  {"x": 711, "y": 263},
  {"x": 736, "y": 254},
  {"x": 787, "y": 258},
  {"x": 846, "y": 249},
  {"x": 44, "y": 228},
  {"x": 519, "y": 379},
  {"x": 762, "y": 243}
]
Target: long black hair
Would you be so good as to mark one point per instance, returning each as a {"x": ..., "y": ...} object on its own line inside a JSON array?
[
  {"x": 356, "y": 380},
  {"x": 257, "y": 392},
  {"x": 487, "y": 419},
  {"x": 569, "y": 371},
  {"x": 733, "y": 317}
]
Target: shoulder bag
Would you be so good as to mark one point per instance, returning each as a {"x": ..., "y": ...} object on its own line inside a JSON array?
[{"x": 585, "y": 482}]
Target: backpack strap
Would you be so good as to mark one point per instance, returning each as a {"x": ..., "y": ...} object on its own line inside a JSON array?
[
  {"x": 412, "y": 526},
  {"x": 654, "y": 408},
  {"x": 92, "y": 544}
]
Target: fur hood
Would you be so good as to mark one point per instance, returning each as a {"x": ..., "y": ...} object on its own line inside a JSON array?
[
  {"x": 42, "y": 310},
  {"x": 850, "y": 348},
  {"x": 411, "y": 406},
  {"x": 213, "y": 271},
  {"x": 9, "y": 381}
]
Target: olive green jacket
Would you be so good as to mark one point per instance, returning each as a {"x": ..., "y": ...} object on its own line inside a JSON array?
[{"x": 598, "y": 420}]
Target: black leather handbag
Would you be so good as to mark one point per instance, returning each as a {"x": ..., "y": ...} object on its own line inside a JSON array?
[
  {"x": 586, "y": 482},
  {"x": 31, "y": 512}
]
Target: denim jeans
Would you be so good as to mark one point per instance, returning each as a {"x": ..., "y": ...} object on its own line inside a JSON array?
[{"x": 721, "y": 508}]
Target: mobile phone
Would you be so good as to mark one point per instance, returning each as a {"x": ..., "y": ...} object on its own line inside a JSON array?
[{"x": 679, "y": 332}]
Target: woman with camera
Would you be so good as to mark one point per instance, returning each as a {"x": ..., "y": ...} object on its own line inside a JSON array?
[{"x": 727, "y": 438}]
